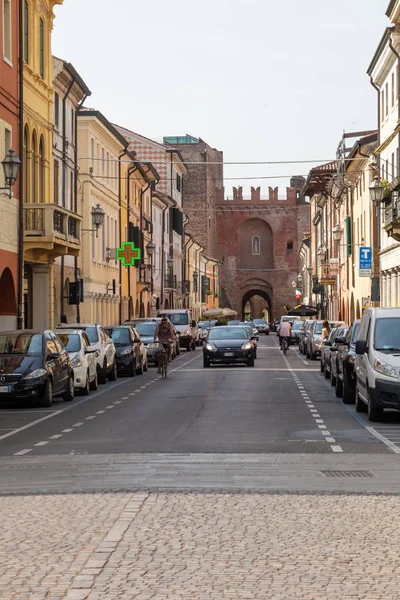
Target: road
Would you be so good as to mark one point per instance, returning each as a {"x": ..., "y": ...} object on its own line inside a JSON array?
[{"x": 228, "y": 482}]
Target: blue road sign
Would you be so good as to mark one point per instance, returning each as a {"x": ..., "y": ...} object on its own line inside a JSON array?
[{"x": 365, "y": 269}]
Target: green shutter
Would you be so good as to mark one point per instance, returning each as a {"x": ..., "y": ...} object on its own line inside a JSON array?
[{"x": 349, "y": 240}]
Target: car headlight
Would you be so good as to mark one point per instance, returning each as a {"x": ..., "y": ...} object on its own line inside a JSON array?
[
  {"x": 247, "y": 346},
  {"x": 152, "y": 345},
  {"x": 210, "y": 347},
  {"x": 126, "y": 352},
  {"x": 385, "y": 369},
  {"x": 36, "y": 374},
  {"x": 76, "y": 362}
]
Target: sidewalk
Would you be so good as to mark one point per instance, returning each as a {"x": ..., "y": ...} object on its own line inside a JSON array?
[{"x": 146, "y": 546}]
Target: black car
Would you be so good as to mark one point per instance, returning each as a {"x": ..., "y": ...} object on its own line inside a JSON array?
[
  {"x": 297, "y": 327},
  {"x": 226, "y": 345},
  {"x": 127, "y": 349},
  {"x": 303, "y": 336},
  {"x": 345, "y": 374},
  {"x": 34, "y": 365}
]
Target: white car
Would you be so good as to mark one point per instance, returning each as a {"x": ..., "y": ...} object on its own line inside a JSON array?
[
  {"x": 106, "y": 359},
  {"x": 377, "y": 364},
  {"x": 83, "y": 358}
]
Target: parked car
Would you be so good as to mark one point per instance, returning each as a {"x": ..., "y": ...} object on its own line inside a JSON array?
[
  {"x": 106, "y": 359},
  {"x": 182, "y": 320},
  {"x": 227, "y": 345},
  {"x": 83, "y": 359},
  {"x": 296, "y": 328},
  {"x": 377, "y": 362},
  {"x": 252, "y": 337},
  {"x": 326, "y": 352},
  {"x": 314, "y": 340},
  {"x": 303, "y": 336},
  {"x": 345, "y": 374},
  {"x": 262, "y": 326},
  {"x": 330, "y": 349},
  {"x": 253, "y": 328},
  {"x": 131, "y": 353},
  {"x": 34, "y": 365}
]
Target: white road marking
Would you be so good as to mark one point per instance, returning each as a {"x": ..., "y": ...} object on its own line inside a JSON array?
[
  {"x": 337, "y": 448},
  {"x": 55, "y": 437},
  {"x": 22, "y": 452},
  {"x": 330, "y": 440},
  {"x": 322, "y": 426},
  {"x": 90, "y": 418},
  {"x": 15, "y": 431},
  {"x": 42, "y": 443},
  {"x": 124, "y": 398},
  {"x": 319, "y": 420},
  {"x": 110, "y": 406},
  {"x": 67, "y": 430},
  {"x": 120, "y": 401},
  {"x": 77, "y": 425},
  {"x": 100, "y": 412}
]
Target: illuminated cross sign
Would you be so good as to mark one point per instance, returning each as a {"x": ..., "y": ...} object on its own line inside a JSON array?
[{"x": 128, "y": 254}]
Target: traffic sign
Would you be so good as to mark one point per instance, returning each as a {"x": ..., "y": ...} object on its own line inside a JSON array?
[{"x": 365, "y": 264}]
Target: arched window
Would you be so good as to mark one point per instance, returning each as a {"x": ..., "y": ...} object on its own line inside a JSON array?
[
  {"x": 34, "y": 169},
  {"x": 27, "y": 166},
  {"x": 42, "y": 166},
  {"x": 256, "y": 245}
]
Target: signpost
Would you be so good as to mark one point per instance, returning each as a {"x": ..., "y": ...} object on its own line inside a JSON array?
[
  {"x": 127, "y": 254},
  {"x": 365, "y": 264}
]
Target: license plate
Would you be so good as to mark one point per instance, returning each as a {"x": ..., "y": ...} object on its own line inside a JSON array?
[
  {"x": 4, "y": 389},
  {"x": 228, "y": 354}
]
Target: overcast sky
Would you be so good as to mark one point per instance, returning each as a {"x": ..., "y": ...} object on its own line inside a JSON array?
[{"x": 259, "y": 79}]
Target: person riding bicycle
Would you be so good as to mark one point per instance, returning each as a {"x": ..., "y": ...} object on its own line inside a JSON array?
[
  {"x": 285, "y": 331},
  {"x": 164, "y": 333}
]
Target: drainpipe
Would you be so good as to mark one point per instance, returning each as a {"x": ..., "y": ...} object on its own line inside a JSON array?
[
  {"x": 120, "y": 157},
  {"x": 78, "y": 308},
  {"x": 20, "y": 290},
  {"x": 131, "y": 170},
  {"x": 374, "y": 225},
  {"x": 188, "y": 247},
  {"x": 163, "y": 255},
  {"x": 64, "y": 188}
]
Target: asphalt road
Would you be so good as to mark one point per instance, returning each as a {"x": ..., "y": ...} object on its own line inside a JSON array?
[{"x": 282, "y": 405}]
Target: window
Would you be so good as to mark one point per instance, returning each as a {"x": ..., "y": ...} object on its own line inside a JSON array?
[
  {"x": 42, "y": 170},
  {"x": 72, "y": 125},
  {"x": 178, "y": 182},
  {"x": 387, "y": 99},
  {"x": 41, "y": 48},
  {"x": 7, "y": 139},
  {"x": 108, "y": 165},
  {"x": 92, "y": 151},
  {"x": 393, "y": 84},
  {"x": 103, "y": 161},
  {"x": 56, "y": 179},
  {"x": 383, "y": 105},
  {"x": 26, "y": 32},
  {"x": 56, "y": 110},
  {"x": 7, "y": 42},
  {"x": 72, "y": 191},
  {"x": 255, "y": 247},
  {"x": 289, "y": 246},
  {"x": 393, "y": 165}
]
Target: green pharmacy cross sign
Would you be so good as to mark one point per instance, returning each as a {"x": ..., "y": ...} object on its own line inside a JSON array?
[{"x": 128, "y": 254}]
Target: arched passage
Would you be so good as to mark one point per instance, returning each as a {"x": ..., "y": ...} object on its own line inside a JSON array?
[
  {"x": 358, "y": 310},
  {"x": 8, "y": 304},
  {"x": 259, "y": 301}
]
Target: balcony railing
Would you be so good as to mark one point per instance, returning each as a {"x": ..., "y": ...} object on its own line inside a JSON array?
[
  {"x": 51, "y": 226},
  {"x": 170, "y": 283},
  {"x": 392, "y": 217}
]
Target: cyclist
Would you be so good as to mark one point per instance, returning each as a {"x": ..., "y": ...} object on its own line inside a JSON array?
[
  {"x": 164, "y": 333},
  {"x": 285, "y": 331}
]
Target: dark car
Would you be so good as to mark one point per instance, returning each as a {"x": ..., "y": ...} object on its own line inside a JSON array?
[
  {"x": 127, "y": 347},
  {"x": 326, "y": 352},
  {"x": 345, "y": 373},
  {"x": 227, "y": 345},
  {"x": 334, "y": 342},
  {"x": 297, "y": 327},
  {"x": 303, "y": 335},
  {"x": 34, "y": 365}
]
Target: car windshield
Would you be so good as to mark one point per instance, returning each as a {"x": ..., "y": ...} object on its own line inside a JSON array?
[
  {"x": 297, "y": 325},
  {"x": 354, "y": 335},
  {"x": 260, "y": 322},
  {"x": 21, "y": 343},
  {"x": 318, "y": 328},
  {"x": 178, "y": 318},
  {"x": 235, "y": 323},
  {"x": 120, "y": 335},
  {"x": 204, "y": 325},
  {"x": 146, "y": 329},
  {"x": 387, "y": 334},
  {"x": 227, "y": 333},
  {"x": 92, "y": 334},
  {"x": 71, "y": 341}
]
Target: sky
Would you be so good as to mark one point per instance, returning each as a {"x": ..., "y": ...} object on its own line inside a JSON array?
[{"x": 258, "y": 79}]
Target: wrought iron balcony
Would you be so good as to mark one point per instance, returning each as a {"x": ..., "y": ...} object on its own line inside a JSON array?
[
  {"x": 392, "y": 217},
  {"x": 52, "y": 228},
  {"x": 327, "y": 273},
  {"x": 170, "y": 282}
]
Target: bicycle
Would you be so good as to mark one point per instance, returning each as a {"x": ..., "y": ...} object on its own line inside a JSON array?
[
  {"x": 164, "y": 352},
  {"x": 285, "y": 345}
]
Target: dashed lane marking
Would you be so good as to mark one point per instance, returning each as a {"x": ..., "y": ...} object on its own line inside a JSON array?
[
  {"x": 55, "y": 437},
  {"x": 77, "y": 425},
  {"x": 22, "y": 452},
  {"x": 42, "y": 443},
  {"x": 90, "y": 418},
  {"x": 67, "y": 430}
]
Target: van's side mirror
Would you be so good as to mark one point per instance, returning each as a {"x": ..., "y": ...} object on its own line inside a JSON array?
[
  {"x": 361, "y": 347},
  {"x": 341, "y": 340}
]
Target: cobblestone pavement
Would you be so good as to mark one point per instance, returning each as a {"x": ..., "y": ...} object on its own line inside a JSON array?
[{"x": 199, "y": 546}]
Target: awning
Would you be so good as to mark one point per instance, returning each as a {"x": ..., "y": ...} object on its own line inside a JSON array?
[
  {"x": 303, "y": 310},
  {"x": 386, "y": 143}
]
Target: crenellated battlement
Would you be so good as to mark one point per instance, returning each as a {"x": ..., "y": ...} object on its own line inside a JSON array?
[{"x": 292, "y": 197}]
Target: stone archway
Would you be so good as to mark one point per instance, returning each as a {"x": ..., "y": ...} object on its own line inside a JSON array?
[
  {"x": 8, "y": 304},
  {"x": 252, "y": 296}
]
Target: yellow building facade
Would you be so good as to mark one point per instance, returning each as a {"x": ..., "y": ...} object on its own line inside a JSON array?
[{"x": 49, "y": 230}]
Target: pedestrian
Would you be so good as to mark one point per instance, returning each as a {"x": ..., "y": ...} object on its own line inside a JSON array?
[{"x": 326, "y": 330}]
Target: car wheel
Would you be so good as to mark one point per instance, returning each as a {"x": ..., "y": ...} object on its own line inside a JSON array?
[
  {"x": 102, "y": 373},
  {"x": 333, "y": 378},
  {"x": 133, "y": 368},
  {"x": 70, "y": 393},
  {"x": 308, "y": 355},
  {"x": 255, "y": 354},
  {"x": 206, "y": 363},
  {"x": 250, "y": 362},
  {"x": 326, "y": 373},
  {"x": 313, "y": 356},
  {"x": 339, "y": 388},
  {"x": 94, "y": 383},
  {"x": 374, "y": 413},
  {"x": 47, "y": 398},
  {"x": 193, "y": 345},
  {"x": 86, "y": 390},
  {"x": 360, "y": 405},
  {"x": 348, "y": 390},
  {"x": 113, "y": 374}
]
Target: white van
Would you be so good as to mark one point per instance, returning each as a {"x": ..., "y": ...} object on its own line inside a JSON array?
[
  {"x": 188, "y": 329},
  {"x": 377, "y": 364}
]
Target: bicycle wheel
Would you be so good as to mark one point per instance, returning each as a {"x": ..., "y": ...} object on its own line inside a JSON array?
[
  {"x": 285, "y": 346},
  {"x": 165, "y": 365}
]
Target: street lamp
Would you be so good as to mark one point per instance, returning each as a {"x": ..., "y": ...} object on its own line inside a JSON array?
[
  {"x": 321, "y": 252},
  {"x": 150, "y": 248},
  {"x": 376, "y": 191},
  {"x": 97, "y": 218},
  {"x": 11, "y": 167},
  {"x": 337, "y": 233}
]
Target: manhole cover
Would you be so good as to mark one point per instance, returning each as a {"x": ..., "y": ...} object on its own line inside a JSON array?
[{"x": 347, "y": 474}]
